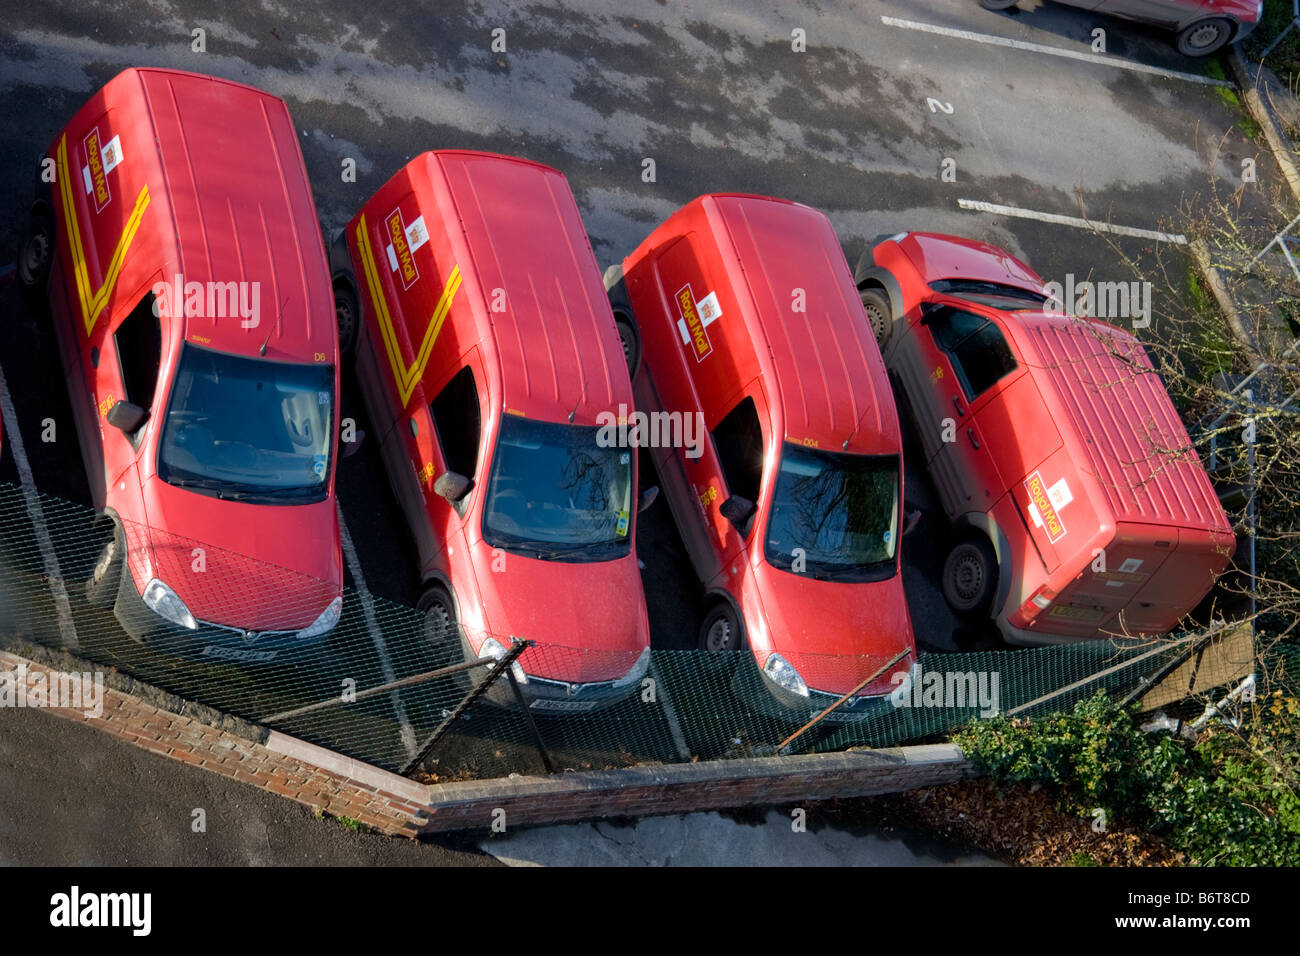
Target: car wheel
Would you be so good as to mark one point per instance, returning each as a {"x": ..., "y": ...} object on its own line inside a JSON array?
[
  {"x": 998, "y": 4},
  {"x": 101, "y": 589},
  {"x": 347, "y": 314},
  {"x": 881, "y": 314},
  {"x": 970, "y": 575},
  {"x": 631, "y": 342},
  {"x": 1204, "y": 36},
  {"x": 720, "y": 631},
  {"x": 37, "y": 251}
]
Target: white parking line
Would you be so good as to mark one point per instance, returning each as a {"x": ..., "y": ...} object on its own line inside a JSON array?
[
  {"x": 674, "y": 726},
  {"x": 975, "y": 205},
  {"x": 376, "y": 636},
  {"x": 1099, "y": 58},
  {"x": 67, "y": 630}
]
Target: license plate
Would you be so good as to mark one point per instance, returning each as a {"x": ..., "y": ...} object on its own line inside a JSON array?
[
  {"x": 238, "y": 654},
  {"x": 565, "y": 705}
]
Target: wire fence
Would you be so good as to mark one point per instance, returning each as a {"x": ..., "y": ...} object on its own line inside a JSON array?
[{"x": 385, "y": 683}]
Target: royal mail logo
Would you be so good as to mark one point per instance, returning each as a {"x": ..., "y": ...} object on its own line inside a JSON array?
[
  {"x": 1042, "y": 509},
  {"x": 695, "y": 319},
  {"x": 93, "y": 173},
  {"x": 401, "y": 253}
]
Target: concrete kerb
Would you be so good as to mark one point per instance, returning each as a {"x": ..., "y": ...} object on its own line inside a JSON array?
[
  {"x": 200, "y": 736},
  {"x": 1249, "y": 79}
]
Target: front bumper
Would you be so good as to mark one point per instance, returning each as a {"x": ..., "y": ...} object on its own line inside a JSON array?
[
  {"x": 759, "y": 692},
  {"x": 546, "y": 695},
  {"x": 208, "y": 642}
]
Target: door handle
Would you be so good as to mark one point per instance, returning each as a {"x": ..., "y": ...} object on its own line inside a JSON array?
[
  {"x": 970, "y": 433},
  {"x": 956, "y": 403}
]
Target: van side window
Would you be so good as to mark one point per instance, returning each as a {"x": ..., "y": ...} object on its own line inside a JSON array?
[
  {"x": 456, "y": 420},
  {"x": 739, "y": 440},
  {"x": 138, "y": 341},
  {"x": 978, "y": 350}
]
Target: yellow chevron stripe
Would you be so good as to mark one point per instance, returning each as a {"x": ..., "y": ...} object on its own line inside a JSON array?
[
  {"x": 404, "y": 377},
  {"x": 92, "y": 303}
]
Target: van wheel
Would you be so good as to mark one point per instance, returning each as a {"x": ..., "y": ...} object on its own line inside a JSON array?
[
  {"x": 631, "y": 342},
  {"x": 36, "y": 254},
  {"x": 101, "y": 589},
  {"x": 347, "y": 314},
  {"x": 1204, "y": 36},
  {"x": 720, "y": 631},
  {"x": 881, "y": 314},
  {"x": 970, "y": 575},
  {"x": 441, "y": 632}
]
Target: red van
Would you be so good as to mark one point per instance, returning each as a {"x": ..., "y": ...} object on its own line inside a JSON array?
[
  {"x": 1079, "y": 505},
  {"x": 487, "y": 355},
  {"x": 789, "y": 498},
  {"x": 190, "y": 294}
]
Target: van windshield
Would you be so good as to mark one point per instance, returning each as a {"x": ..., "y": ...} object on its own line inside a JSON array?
[
  {"x": 248, "y": 428},
  {"x": 558, "y": 495},
  {"x": 834, "y": 516}
]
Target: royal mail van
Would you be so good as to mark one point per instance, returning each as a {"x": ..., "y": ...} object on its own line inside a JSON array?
[
  {"x": 190, "y": 294},
  {"x": 1079, "y": 506},
  {"x": 789, "y": 500},
  {"x": 487, "y": 355}
]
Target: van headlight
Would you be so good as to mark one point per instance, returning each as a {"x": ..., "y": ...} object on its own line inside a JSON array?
[
  {"x": 781, "y": 673},
  {"x": 325, "y": 623},
  {"x": 638, "y": 670},
  {"x": 164, "y": 602},
  {"x": 494, "y": 649}
]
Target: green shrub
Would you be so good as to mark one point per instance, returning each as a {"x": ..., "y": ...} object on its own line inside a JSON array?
[{"x": 1228, "y": 798}]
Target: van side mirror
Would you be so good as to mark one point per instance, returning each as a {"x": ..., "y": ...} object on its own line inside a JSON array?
[
  {"x": 737, "y": 510},
  {"x": 647, "y": 498},
  {"x": 126, "y": 417},
  {"x": 451, "y": 485}
]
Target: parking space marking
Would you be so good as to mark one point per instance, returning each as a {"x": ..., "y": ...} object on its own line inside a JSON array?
[
  {"x": 1099, "y": 58},
  {"x": 997, "y": 209},
  {"x": 674, "y": 725},
  {"x": 409, "y": 742},
  {"x": 32, "y": 499}
]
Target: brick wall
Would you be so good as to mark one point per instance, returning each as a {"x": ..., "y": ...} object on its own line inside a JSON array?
[{"x": 391, "y": 804}]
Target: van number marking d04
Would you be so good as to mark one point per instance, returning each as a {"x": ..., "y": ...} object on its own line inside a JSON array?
[{"x": 404, "y": 377}]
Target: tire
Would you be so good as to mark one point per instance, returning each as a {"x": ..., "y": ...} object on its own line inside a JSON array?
[
  {"x": 998, "y": 4},
  {"x": 36, "y": 254},
  {"x": 101, "y": 588},
  {"x": 347, "y": 313},
  {"x": 1205, "y": 36},
  {"x": 720, "y": 631},
  {"x": 880, "y": 313},
  {"x": 631, "y": 342},
  {"x": 970, "y": 576}
]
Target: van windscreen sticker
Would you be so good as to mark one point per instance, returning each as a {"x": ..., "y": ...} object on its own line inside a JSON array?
[
  {"x": 94, "y": 175},
  {"x": 401, "y": 255},
  {"x": 696, "y": 316},
  {"x": 1042, "y": 510}
]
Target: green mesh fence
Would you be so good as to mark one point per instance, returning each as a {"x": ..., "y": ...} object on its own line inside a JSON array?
[{"x": 685, "y": 705}]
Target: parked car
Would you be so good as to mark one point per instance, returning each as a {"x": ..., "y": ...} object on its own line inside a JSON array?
[
  {"x": 190, "y": 296},
  {"x": 1202, "y": 26},
  {"x": 487, "y": 353},
  {"x": 790, "y": 501},
  {"x": 1079, "y": 506}
]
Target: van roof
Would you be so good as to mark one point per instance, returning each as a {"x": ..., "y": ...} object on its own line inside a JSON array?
[
  {"x": 557, "y": 351},
  {"x": 1103, "y": 381},
  {"x": 229, "y": 201},
  {"x": 830, "y": 380}
]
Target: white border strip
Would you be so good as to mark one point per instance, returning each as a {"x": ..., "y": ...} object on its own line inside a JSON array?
[
  {"x": 975, "y": 205},
  {"x": 67, "y": 630},
  {"x": 1098, "y": 58}
]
